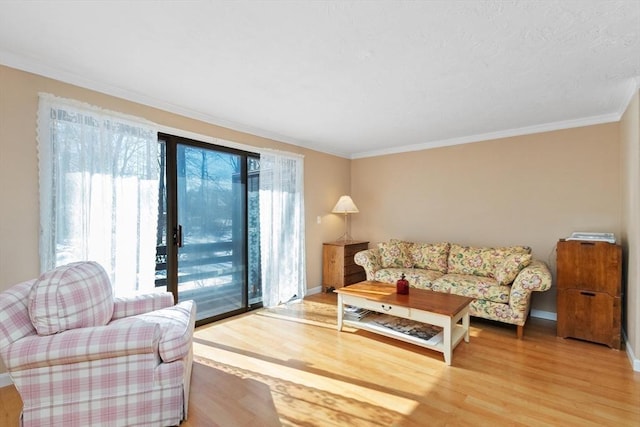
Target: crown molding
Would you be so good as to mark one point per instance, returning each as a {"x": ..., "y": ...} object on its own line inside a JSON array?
[
  {"x": 545, "y": 127},
  {"x": 632, "y": 87},
  {"x": 33, "y": 66}
]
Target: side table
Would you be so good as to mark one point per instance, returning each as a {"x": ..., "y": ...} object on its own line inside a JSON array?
[{"x": 338, "y": 267}]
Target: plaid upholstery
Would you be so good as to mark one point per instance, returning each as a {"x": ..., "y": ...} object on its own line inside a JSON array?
[
  {"x": 124, "y": 391},
  {"x": 14, "y": 314},
  {"x": 142, "y": 303},
  {"x": 175, "y": 321},
  {"x": 75, "y": 295},
  {"x": 84, "y": 344},
  {"x": 112, "y": 375}
]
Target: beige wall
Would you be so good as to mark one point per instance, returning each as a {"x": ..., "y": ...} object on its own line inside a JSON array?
[
  {"x": 630, "y": 172},
  {"x": 529, "y": 190},
  {"x": 326, "y": 176},
  {"x": 19, "y": 216}
]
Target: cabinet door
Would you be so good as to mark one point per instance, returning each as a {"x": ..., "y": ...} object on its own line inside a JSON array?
[
  {"x": 333, "y": 265},
  {"x": 590, "y": 266},
  {"x": 591, "y": 316}
]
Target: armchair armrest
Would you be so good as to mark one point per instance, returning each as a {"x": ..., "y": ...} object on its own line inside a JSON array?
[
  {"x": 176, "y": 324},
  {"x": 139, "y": 304},
  {"x": 128, "y": 336},
  {"x": 535, "y": 277},
  {"x": 370, "y": 260}
]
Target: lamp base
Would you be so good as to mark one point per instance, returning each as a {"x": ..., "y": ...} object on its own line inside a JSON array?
[{"x": 346, "y": 237}]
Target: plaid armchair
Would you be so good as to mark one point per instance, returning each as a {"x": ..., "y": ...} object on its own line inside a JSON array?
[{"x": 80, "y": 357}]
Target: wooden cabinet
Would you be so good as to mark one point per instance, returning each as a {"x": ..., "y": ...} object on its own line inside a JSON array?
[
  {"x": 589, "y": 279},
  {"x": 338, "y": 266}
]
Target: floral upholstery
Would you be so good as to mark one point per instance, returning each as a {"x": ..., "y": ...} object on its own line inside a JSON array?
[
  {"x": 500, "y": 279},
  {"x": 479, "y": 261},
  {"x": 419, "y": 278},
  {"x": 468, "y": 285},
  {"x": 395, "y": 254},
  {"x": 507, "y": 271},
  {"x": 430, "y": 256},
  {"x": 535, "y": 277},
  {"x": 132, "y": 371}
]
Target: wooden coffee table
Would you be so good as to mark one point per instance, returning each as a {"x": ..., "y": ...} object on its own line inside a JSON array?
[{"x": 448, "y": 311}]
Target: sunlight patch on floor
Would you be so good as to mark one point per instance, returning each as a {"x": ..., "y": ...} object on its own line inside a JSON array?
[{"x": 283, "y": 376}]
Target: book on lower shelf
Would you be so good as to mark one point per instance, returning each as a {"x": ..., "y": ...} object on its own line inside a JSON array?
[
  {"x": 423, "y": 331},
  {"x": 354, "y": 313}
]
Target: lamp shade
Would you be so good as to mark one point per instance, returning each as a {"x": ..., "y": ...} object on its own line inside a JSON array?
[{"x": 345, "y": 205}]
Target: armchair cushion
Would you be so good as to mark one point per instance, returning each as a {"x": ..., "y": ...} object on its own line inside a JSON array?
[{"x": 75, "y": 295}]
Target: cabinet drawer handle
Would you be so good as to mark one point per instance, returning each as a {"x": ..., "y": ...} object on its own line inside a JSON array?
[
  {"x": 386, "y": 307},
  {"x": 588, "y": 294}
]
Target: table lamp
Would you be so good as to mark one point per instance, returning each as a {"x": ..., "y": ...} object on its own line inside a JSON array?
[{"x": 345, "y": 206}]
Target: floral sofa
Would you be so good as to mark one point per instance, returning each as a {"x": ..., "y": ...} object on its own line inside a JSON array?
[{"x": 500, "y": 279}]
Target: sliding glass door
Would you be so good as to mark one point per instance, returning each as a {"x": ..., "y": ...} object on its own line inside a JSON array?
[{"x": 212, "y": 228}]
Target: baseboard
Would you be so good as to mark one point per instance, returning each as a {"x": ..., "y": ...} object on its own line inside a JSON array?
[
  {"x": 5, "y": 380},
  {"x": 548, "y": 315},
  {"x": 313, "y": 291},
  {"x": 635, "y": 362}
]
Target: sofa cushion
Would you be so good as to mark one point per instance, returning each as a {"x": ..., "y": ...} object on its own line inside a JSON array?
[
  {"x": 417, "y": 278},
  {"x": 507, "y": 271},
  {"x": 469, "y": 260},
  {"x": 480, "y": 261},
  {"x": 72, "y": 296},
  {"x": 430, "y": 256},
  {"x": 395, "y": 254},
  {"x": 484, "y": 288}
]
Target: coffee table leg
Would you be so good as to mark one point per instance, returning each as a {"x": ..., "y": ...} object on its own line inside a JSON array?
[
  {"x": 465, "y": 325},
  {"x": 447, "y": 341},
  {"x": 340, "y": 311}
]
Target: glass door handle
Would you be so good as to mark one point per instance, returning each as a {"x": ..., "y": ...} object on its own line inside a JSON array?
[{"x": 177, "y": 236}]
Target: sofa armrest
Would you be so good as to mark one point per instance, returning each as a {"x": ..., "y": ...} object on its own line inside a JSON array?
[
  {"x": 370, "y": 260},
  {"x": 126, "y": 337},
  {"x": 535, "y": 277},
  {"x": 139, "y": 304}
]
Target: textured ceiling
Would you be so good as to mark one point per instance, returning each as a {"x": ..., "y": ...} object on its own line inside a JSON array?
[{"x": 352, "y": 78}]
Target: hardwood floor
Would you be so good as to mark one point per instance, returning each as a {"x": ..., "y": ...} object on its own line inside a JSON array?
[{"x": 291, "y": 367}]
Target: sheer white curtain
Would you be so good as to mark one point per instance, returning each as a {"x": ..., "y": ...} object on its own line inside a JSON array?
[
  {"x": 282, "y": 227},
  {"x": 99, "y": 177}
]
